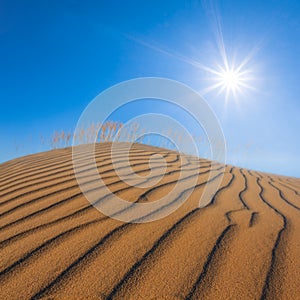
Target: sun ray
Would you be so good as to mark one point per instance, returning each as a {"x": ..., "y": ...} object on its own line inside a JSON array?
[
  {"x": 228, "y": 76},
  {"x": 211, "y": 88}
]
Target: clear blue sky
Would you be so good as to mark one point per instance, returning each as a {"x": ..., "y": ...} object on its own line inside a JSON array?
[{"x": 56, "y": 56}]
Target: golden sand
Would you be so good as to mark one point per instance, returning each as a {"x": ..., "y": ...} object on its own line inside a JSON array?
[{"x": 55, "y": 245}]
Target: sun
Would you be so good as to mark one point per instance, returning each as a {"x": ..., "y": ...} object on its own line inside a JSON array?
[{"x": 230, "y": 80}]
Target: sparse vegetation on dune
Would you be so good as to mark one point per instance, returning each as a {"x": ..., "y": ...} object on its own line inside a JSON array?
[
  {"x": 110, "y": 131},
  {"x": 94, "y": 133}
]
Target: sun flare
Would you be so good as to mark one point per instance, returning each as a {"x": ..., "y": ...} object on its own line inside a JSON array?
[{"x": 230, "y": 80}]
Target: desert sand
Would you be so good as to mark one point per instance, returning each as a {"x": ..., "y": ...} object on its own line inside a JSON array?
[{"x": 55, "y": 245}]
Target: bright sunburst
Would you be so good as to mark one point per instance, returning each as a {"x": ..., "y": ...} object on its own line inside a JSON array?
[
  {"x": 231, "y": 75},
  {"x": 230, "y": 80}
]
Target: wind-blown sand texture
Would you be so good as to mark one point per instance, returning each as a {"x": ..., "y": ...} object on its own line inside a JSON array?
[{"x": 55, "y": 245}]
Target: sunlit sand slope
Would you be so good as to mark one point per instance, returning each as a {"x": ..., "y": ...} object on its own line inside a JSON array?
[{"x": 55, "y": 245}]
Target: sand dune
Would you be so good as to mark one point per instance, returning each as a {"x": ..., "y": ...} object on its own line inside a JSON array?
[{"x": 55, "y": 245}]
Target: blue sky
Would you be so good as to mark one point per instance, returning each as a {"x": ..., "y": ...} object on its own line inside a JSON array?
[{"x": 56, "y": 56}]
